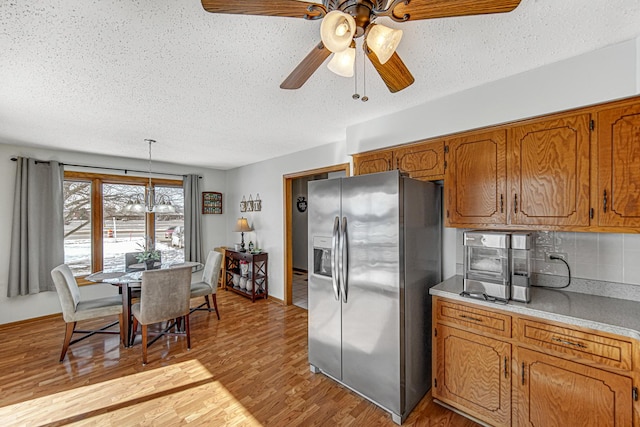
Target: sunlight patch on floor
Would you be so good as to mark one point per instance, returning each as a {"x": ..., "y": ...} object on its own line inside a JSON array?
[{"x": 137, "y": 399}]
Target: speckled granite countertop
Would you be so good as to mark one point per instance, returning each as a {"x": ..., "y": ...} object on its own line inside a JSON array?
[{"x": 606, "y": 314}]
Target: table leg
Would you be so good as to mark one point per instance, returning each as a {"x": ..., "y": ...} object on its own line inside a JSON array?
[{"x": 126, "y": 314}]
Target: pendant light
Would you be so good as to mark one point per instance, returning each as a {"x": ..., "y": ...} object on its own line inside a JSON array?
[{"x": 151, "y": 205}]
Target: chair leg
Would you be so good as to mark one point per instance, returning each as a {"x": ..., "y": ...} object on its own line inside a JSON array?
[
  {"x": 215, "y": 304},
  {"x": 206, "y": 298},
  {"x": 121, "y": 326},
  {"x": 71, "y": 326},
  {"x": 133, "y": 332},
  {"x": 188, "y": 331},
  {"x": 144, "y": 344}
]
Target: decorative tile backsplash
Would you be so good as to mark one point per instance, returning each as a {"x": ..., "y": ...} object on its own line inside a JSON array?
[{"x": 593, "y": 257}]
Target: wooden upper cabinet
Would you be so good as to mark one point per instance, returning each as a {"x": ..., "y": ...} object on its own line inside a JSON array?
[
  {"x": 377, "y": 161},
  {"x": 618, "y": 202},
  {"x": 549, "y": 172},
  {"x": 423, "y": 161},
  {"x": 475, "y": 179}
]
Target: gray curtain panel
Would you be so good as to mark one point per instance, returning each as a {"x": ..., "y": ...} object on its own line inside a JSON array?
[
  {"x": 37, "y": 231},
  {"x": 192, "y": 219}
]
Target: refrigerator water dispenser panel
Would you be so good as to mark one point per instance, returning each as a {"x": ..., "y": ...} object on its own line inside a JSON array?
[{"x": 322, "y": 256}]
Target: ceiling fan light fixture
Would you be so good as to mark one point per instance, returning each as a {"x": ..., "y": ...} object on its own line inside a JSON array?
[
  {"x": 383, "y": 41},
  {"x": 343, "y": 62},
  {"x": 337, "y": 30}
]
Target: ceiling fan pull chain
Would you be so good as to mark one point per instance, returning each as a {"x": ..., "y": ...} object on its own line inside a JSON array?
[
  {"x": 355, "y": 95},
  {"x": 365, "y": 98}
]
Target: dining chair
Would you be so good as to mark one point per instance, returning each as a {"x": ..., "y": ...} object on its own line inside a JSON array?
[
  {"x": 129, "y": 260},
  {"x": 209, "y": 283},
  {"x": 222, "y": 250},
  {"x": 74, "y": 309},
  {"x": 164, "y": 296}
]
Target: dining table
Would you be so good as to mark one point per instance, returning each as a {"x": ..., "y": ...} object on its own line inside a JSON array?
[{"x": 129, "y": 283}]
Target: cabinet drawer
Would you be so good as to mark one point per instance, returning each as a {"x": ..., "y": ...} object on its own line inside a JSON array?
[
  {"x": 473, "y": 318},
  {"x": 589, "y": 346}
]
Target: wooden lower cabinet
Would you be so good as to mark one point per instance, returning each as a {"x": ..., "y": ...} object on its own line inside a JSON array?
[
  {"x": 555, "y": 392},
  {"x": 473, "y": 373},
  {"x": 537, "y": 373}
]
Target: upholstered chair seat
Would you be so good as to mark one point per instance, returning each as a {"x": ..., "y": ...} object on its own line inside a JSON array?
[
  {"x": 74, "y": 309},
  {"x": 209, "y": 283}
]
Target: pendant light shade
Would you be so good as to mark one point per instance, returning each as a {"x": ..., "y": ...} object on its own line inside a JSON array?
[
  {"x": 342, "y": 62},
  {"x": 383, "y": 41},
  {"x": 337, "y": 30}
]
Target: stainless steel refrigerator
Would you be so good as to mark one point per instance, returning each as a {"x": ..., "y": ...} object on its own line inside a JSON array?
[{"x": 374, "y": 251}]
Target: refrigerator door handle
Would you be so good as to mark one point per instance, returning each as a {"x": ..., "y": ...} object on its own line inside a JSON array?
[
  {"x": 344, "y": 260},
  {"x": 334, "y": 255}
]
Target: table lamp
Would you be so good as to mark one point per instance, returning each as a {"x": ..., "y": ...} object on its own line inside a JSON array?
[{"x": 241, "y": 226}]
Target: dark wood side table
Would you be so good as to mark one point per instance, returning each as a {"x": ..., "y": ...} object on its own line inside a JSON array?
[{"x": 257, "y": 279}]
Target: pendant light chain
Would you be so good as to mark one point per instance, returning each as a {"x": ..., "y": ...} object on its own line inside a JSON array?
[
  {"x": 150, "y": 192},
  {"x": 365, "y": 98}
]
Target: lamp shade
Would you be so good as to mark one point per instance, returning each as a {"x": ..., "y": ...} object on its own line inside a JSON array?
[
  {"x": 242, "y": 225},
  {"x": 342, "y": 62},
  {"x": 383, "y": 41},
  {"x": 337, "y": 30}
]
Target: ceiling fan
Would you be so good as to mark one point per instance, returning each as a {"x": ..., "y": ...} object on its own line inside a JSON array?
[{"x": 346, "y": 20}]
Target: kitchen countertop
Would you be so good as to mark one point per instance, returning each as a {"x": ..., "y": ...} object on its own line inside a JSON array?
[{"x": 616, "y": 316}]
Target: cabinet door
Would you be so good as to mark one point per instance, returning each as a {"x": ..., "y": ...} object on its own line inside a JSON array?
[
  {"x": 549, "y": 172},
  {"x": 379, "y": 161},
  {"x": 619, "y": 167},
  {"x": 557, "y": 392},
  {"x": 423, "y": 161},
  {"x": 473, "y": 373},
  {"x": 475, "y": 179}
]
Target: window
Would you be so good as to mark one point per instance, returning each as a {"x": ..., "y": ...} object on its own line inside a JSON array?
[{"x": 99, "y": 231}]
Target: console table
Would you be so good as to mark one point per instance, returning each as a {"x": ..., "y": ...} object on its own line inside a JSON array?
[{"x": 256, "y": 279}]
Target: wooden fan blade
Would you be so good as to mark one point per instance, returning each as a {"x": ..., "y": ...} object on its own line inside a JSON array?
[
  {"x": 428, "y": 9},
  {"x": 306, "y": 68},
  {"x": 394, "y": 73},
  {"x": 287, "y": 8}
]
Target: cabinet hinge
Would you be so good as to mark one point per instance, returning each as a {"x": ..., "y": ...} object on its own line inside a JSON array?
[
  {"x": 591, "y": 213},
  {"x": 592, "y": 124},
  {"x": 447, "y": 213},
  {"x": 634, "y": 393},
  {"x": 435, "y": 383},
  {"x": 435, "y": 332},
  {"x": 446, "y": 149}
]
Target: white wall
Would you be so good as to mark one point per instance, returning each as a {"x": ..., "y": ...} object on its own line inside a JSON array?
[
  {"x": 602, "y": 75},
  {"x": 598, "y": 76},
  {"x": 25, "y": 307},
  {"x": 266, "y": 178}
]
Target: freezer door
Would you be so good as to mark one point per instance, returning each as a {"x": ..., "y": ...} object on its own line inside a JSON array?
[
  {"x": 371, "y": 314},
  {"x": 324, "y": 304}
]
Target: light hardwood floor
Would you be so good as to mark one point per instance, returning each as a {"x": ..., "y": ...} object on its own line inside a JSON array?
[{"x": 248, "y": 369}]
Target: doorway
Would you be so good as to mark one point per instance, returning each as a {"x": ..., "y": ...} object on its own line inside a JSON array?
[{"x": 295, "y": 239}]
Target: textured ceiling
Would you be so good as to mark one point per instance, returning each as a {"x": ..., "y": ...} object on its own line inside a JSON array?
[{"x": 100, "y": 76}]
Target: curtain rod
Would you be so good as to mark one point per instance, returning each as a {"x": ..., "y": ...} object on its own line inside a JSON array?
[{"x": 15, "y": 159}]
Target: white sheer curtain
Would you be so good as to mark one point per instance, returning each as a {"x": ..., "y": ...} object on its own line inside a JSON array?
[
  {"x": 192, "y": 219},
  {"x": 37, "y": 231}
]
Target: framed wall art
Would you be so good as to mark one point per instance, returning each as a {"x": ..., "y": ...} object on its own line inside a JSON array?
[{"x": 211, "y": 202}]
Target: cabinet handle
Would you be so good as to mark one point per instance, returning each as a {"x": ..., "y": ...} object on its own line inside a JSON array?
[
  {"x": 515, "y": 203},
  {"x": 604, "y": 201},
  {"x": 522, "y": 373},
  {"x": 565, "y": 342},
  {"x": 501, "y": 203},
  {"x": 506, "y": 375},
  {"x": 475, "y": 319}
]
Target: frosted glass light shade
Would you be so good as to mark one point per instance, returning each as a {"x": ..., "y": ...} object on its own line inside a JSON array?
[
  {"x": 383, "y": 41},
  {"x": 337, "y": 30},
  {"x": 342, "y": 62}
]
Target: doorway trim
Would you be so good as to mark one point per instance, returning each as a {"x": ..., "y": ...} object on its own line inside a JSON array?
[{"x": 287, "y": 181}]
